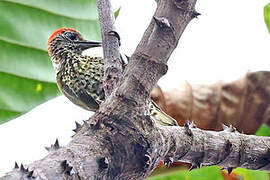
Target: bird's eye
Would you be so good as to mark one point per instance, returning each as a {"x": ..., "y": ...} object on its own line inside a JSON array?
[{"x": 71, "y": 36}]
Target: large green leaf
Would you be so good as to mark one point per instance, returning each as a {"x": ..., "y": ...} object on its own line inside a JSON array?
[
  {"x": 26, "y": 74},
  {"x": 19, "y": 94},
  {"x": 267, "y": 16},
  {"x": 205, "y": 173},
  {"x": 81, "y": 9},
  {"x": 210, "y": 173}
]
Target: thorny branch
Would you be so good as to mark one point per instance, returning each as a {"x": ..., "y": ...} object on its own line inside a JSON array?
[
  {"x": 227, "y": 148},
  {"x": 121, "y": 142}
]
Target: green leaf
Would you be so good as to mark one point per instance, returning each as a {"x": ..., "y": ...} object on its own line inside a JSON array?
[
  {"x": 81, "y": 9},
  {"x": 267, "y": 16},
  {"x": 205, "y": 173},
  {"x": 25, "y": 62},
  {"x": 19, "y": 95},
  {"x": 31, "y": 27},
  {"x": 171, "y": 176},
  {"x": 26, "y": 74},
  {"x": 251, "y": 174},
  {"x": 116, "y": 13},
  {"x": 263, "y": 131},
  {"x": 7, "y": 115}
]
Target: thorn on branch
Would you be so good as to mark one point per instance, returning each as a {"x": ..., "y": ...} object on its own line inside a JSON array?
[
  {"x": 188, "y": 131},
  {"x": 124, "y": 61},
  {"x": 77, "y": 128},
  {"x": 230, "y": 169},
  {"x": 228, "y": 147},
  {"x": 23, "y": 169},
  {"x": 66, "y": 167},
  {"x": 189, "y": 125},
  {"x": 54, "y": 147},
  {"x": 115, "y": 34},
  {"x": 26, "y": 173},
  {"x": 168, "y": 161},
  {"x": 228, "y": 128},
  {"x": 16, "y": 166},
  {"x": 195, "y": 14},
  {"x": 70, "y": 171},
  {"x": 192, "y": 124},
  {"x": 194, "y": 166},
  {"x": 128, "y": 58},
  {"x": 30, "y": 174}
]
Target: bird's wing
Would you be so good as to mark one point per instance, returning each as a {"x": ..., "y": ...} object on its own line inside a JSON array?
[
  {"x": 160, "y": 117},
  {"x": 81, "y": 98}
]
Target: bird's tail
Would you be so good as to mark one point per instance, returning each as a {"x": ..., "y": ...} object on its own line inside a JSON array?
[{"x": 160, "y": 117}]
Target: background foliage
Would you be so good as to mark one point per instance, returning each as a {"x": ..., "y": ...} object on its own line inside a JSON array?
[
  {"x": 27, "y": 77},
  {"x": 267, "y": 16}
]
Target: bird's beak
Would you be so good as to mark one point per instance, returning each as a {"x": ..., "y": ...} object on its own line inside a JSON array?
[{"x": 88, "y": 44}]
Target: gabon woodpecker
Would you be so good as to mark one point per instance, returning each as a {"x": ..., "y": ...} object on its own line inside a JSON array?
[{"x": 79, "y": 77}]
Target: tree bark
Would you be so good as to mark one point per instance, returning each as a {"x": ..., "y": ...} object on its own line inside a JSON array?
[
  {"x": 110, "y": 43},
  {"x": 122, "y": 142}
]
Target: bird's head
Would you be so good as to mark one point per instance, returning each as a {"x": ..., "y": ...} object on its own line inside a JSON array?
[{"x": 64, "y": 41}]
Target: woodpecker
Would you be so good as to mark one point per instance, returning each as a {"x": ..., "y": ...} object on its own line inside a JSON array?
[{"x": 80, "y": 77}]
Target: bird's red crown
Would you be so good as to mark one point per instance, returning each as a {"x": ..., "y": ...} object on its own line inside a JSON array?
[{"x": 55, "y": 33}]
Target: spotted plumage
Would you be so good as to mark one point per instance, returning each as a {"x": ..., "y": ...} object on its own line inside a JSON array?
[{"x": 80, "y": 77}]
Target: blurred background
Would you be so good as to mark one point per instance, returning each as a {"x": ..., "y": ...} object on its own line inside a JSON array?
[{"x": 228, "y": 40}]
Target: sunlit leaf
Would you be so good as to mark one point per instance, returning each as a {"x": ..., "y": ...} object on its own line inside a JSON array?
[
  {"x": 251, "y": 174},
  {"x": 205, "y": 173},
  {"x": 267, "y": 16}
]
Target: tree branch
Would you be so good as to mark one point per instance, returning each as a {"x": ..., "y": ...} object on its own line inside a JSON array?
[
  {"x": 227, "y": 148},
  {"x": 110, "y": 42},
  {"x": 149, "y": 61},
  {"x": 120, "y": 132}
]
